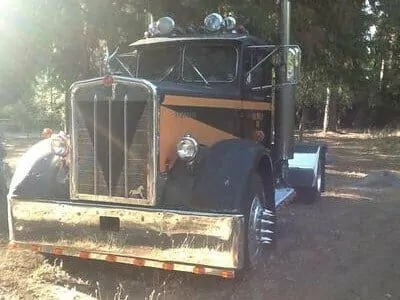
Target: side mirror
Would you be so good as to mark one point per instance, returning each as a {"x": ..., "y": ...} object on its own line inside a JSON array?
[{"x": 293, "y": 59}]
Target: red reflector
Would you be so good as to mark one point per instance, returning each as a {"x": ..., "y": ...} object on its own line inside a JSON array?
[
  {"x": 57, "y": 251},
  {"x": 34, "y": 248},
  {"x": 259, "y": 136},
  {"x": 111, "y": 258},
  {"x": 108, "y": 80},
  {"x": 12, "y": 246},
  {"x": 138, "y": 262},
  {"x": 199, "y": 270},
  {"x": 84, "y": 255},
  {"x": 228, "y": 274},
  {"x": 168, "y": 266}
]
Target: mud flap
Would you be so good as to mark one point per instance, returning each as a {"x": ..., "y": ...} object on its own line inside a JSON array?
[{"x": 304, "y": 165}]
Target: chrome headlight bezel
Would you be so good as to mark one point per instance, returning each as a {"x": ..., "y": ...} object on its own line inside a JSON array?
[{"x": 187, "y": 148}]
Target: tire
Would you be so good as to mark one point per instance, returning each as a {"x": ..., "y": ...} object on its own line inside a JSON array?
[
  {"x": 310, "y": 195},
  {"x": 259, "y": 211}
]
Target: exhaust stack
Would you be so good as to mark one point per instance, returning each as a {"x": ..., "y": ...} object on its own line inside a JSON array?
[{"x": 285, "y": 103}]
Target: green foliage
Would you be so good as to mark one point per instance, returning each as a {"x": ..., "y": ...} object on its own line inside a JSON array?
[
  {"x": 33, "y": 112},
  {"x": 47, "y": 45}
]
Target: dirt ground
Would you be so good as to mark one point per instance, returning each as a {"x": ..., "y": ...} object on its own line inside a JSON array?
[{"x": 346, "y": 246}]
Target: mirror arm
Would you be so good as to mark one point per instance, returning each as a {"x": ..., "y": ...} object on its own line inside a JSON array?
[
  {"x": 260, "y": 88},
  {"x": 260, "y": 62}
]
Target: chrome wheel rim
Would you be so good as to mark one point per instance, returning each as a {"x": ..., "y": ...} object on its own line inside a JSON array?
[{"x": 254, "y": 230}]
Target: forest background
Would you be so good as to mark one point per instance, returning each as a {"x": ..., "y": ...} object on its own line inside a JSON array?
[{"x": 350, "y": 53}]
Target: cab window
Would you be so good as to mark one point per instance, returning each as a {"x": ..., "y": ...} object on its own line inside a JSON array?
[
  {"x": 210, "y": 63},
  {"x": 159, "y": 63},
  {"x": 258, "y": 72}
]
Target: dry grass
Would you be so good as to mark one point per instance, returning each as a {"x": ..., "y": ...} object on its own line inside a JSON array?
[
  {"x": 327, "y": 251},
  {"x": 24, "y": 275}
]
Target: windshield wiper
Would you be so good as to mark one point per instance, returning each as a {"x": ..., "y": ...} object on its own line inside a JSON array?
[{"x": 197, "y": 71}]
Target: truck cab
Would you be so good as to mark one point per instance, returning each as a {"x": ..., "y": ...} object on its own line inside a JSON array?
[{"x": 176, "y": 157}]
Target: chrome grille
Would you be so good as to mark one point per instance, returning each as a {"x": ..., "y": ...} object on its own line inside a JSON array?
[{"x": 113, "y": 142}]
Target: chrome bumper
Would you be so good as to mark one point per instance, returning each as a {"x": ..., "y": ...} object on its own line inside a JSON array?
[{"x": 152, "y": 235}]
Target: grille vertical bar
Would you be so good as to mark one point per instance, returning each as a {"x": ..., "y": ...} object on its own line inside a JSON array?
[
  {"x": 110, "y": 138},
  {"x": 126, "y": 146}
]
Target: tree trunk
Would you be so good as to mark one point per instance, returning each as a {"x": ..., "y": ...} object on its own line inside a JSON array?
[
  {"x": 333, "y": 113},
  {"x": 304, "y": 117},
  {"x": 67, "y": 112},
  {"x": 327, "y": 107}
]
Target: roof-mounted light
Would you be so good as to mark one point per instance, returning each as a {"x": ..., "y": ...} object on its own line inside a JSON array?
[
  {"x": 213, "y": 22},
  {"x": 165, "y": 25},
  {"x": 230, "y": 23}
]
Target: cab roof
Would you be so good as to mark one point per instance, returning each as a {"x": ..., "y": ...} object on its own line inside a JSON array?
[{"x": 241, "y": 38}]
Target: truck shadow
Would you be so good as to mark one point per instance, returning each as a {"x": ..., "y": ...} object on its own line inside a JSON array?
[{"x": 108, "y": 279}]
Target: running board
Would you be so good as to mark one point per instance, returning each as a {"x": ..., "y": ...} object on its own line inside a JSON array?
[{"x": 284, "y": 195}]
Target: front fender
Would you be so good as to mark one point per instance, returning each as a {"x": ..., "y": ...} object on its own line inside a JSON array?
[
  {"x": 220, "y": 179},
  {"x": 39, "y": 174}
]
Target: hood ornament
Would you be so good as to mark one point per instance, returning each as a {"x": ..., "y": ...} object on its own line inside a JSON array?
[{"x": 137, "y": 192}]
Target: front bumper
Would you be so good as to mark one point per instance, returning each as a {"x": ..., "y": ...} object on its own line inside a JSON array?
[{"x": 203, "y": 243}]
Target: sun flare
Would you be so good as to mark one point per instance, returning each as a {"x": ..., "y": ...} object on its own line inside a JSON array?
[{"x": 6, "y": 7}]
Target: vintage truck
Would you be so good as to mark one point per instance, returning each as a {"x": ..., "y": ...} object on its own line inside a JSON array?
[{"x": 177, "y": 158}]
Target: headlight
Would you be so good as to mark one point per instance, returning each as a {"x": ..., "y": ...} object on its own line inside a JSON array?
[
  {"x": 59, "y": 146},
  {"x": 187, "y": 148}
]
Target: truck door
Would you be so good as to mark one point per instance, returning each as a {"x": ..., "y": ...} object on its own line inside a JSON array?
[{"x": 258, "y": 87}]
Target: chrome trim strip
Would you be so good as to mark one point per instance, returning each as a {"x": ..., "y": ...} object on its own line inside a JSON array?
[
  {"x": 284, "y": 195},
  {"x": 153, "y": 167},
  {"x": 74, "y": 153},
  {"x": 95, "y": 144},
  {"x": 89, "y": 205},
  {"x": 155, "y": 146},
  {"x": 272, "y": 46},
  {"x": 165, "y": 235}
]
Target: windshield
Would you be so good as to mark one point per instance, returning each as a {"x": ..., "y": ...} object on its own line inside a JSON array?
[
  {"x": 211, "y": 63},
  {"x": 159, "y": 63},
  {"x": 124, "y": 64}
]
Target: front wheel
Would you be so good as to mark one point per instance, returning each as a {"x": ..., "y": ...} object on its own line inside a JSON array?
[{"x": 259, "y": 211}]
